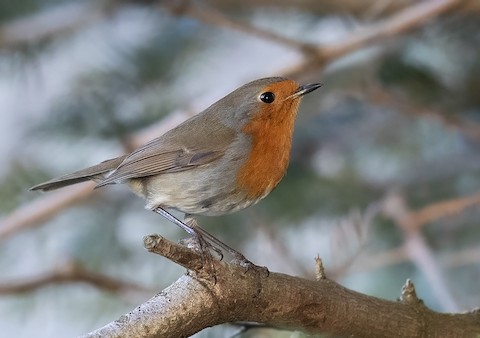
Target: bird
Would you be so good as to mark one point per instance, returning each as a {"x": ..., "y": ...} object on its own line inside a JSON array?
[{"x": 224, "y": 159}]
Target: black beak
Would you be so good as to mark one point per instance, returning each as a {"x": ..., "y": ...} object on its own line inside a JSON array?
[{"x": 302, "y": 90}]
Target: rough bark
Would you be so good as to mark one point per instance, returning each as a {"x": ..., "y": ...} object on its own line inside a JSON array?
[{"x": 197, "y": 301}]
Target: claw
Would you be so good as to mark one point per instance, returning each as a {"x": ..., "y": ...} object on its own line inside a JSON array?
[
  {"x": 208, "y": 243},
  {"x": 248, "y": 265},
  {"x": 204, "y": 248}
]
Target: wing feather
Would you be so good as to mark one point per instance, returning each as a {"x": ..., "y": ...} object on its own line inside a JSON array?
[{"x": 196, "y": 142}]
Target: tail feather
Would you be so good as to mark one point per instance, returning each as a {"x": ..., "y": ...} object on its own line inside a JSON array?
[{"x": 91, "y": 173}]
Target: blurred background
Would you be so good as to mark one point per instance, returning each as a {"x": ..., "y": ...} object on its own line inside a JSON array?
[{"x": 384, "y": 180}]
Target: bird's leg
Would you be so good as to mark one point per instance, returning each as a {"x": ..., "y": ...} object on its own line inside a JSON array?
[
  {"x": 191, "y": 226},
  {"x": 203, "y": 245},
  {"x": 174, "y": 220},
  {"x": 192, "y": 222},
  {"x": 237, "y": 255},
  {"x": 191, "y": 229}
]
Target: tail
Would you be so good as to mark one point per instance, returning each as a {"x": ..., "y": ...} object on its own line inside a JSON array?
[{"x": 87, "y": 174}]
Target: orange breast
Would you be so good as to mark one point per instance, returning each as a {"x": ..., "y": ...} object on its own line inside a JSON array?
[{"x": 271, "y": 131}]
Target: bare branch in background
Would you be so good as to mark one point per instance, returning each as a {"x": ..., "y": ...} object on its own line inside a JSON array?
[
  {"x": 418, "y": 250},
  {"x": 211, "y": 16},
  {"x": 70, "y": 272},
  {"x": 278, "y": 244},
  {"x": 406, "y": 20},
  {"x": 349, "y": 239},
  {"x": 438, "y": 210}
]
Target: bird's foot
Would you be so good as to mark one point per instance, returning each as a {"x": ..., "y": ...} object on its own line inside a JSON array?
[
  {"x": 198, "y": 243},
  {"x": 211, "y": 243},
  {"x": 206, "y": 248},
  {"x": 248, "y": 265}
]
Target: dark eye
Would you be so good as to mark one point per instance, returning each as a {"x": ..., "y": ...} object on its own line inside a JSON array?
[{"x": 267, "y": 97}]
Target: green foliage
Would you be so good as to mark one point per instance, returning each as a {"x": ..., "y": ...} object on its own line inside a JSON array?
[
  {"x": 417, "y": 82},
  {"x": 304, "y": 193},
  {"x": 10, "y": 10}
]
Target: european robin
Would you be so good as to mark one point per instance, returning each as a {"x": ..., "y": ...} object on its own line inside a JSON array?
[{"x": 224, "y": 159}]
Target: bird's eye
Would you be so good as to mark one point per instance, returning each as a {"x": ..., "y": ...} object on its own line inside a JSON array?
[{"x": 267, "y": 97}]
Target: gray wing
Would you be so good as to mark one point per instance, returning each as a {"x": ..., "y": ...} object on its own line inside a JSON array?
[
  {"x": 173, "y": 161},
  {"x": 182, "y": 148}
]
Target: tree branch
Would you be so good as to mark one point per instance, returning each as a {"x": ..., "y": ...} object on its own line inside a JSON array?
[
  {"x": 211, "y": 16},
  {"x": 195, "y": 302},
  {"x": 69, "y": 272},
  {"x": 403, "y": 21}
]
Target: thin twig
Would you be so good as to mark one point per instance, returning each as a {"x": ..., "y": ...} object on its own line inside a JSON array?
[
  {"x": 281, "y": 250},
  {"x": 67, "y": 273},
  {"x": 401, "y": 22},
  {"x": 406, "y": 20},
  {"x": 438, "y": 210},
  {"x": 418, "y": 250},
  {"x": 211, "y": 16}
]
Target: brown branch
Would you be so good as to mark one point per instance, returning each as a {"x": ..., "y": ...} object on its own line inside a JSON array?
[
  {"x": 401, "y": 22},
  {"x": 211, "y": 16},
  {"x": 438, "y": 210},
  {"x": 67, "y": 273},
  {"x": 415, "y": 219},
  {"x": 194, "y": 302},
  {"x": 405, "y": 20}
]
